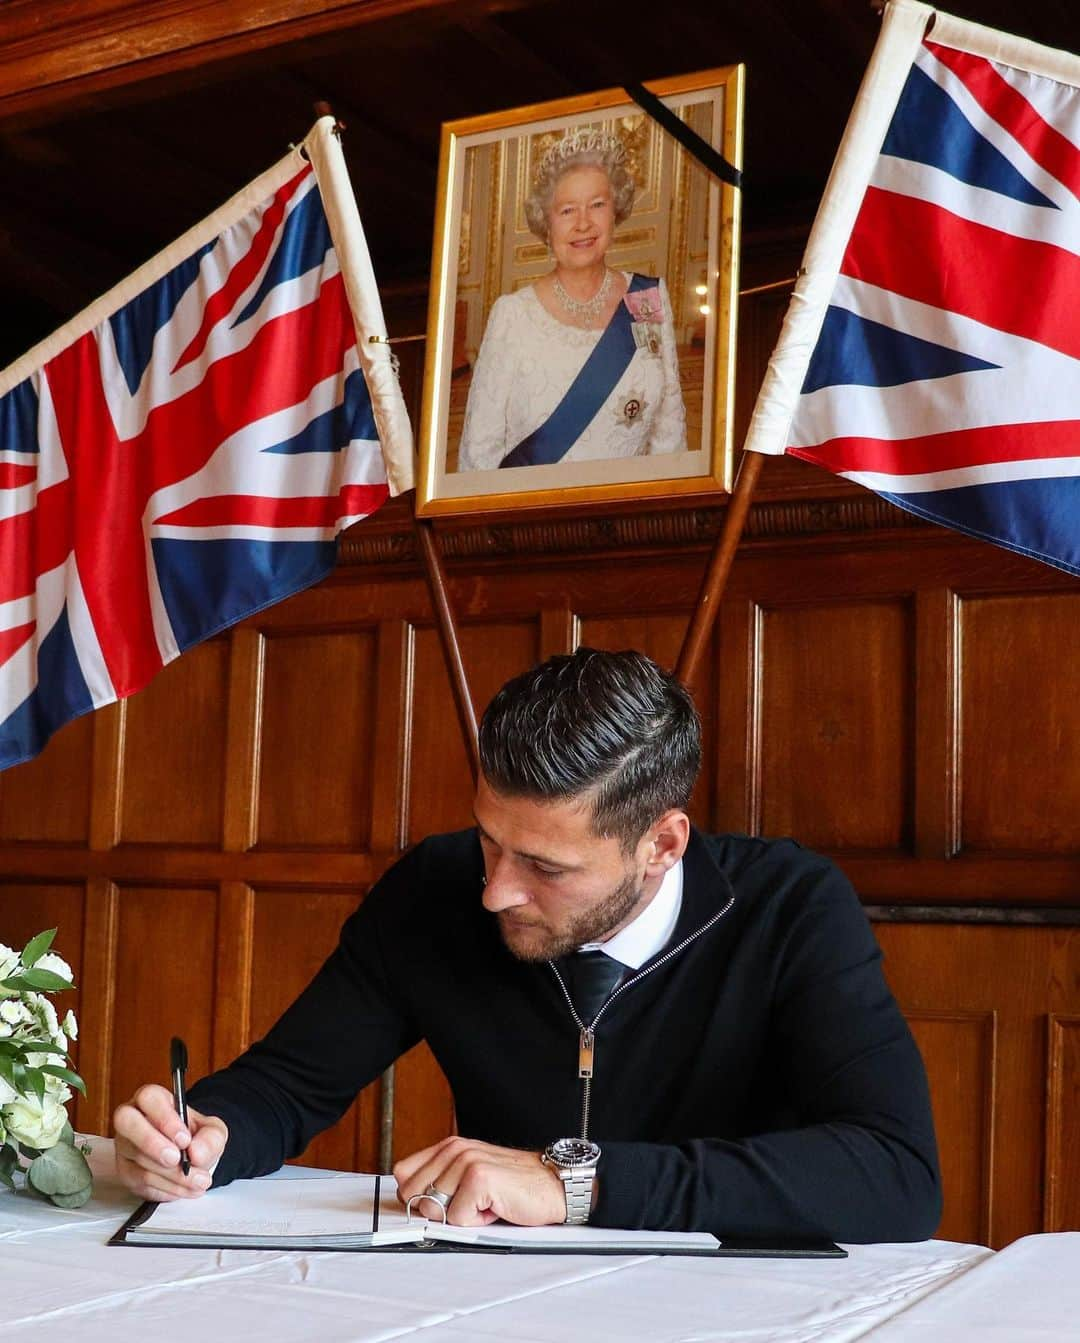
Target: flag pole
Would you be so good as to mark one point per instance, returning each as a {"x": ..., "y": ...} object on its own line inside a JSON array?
[
  {"x": 448, "y": 638},
  {"x": 716, "y": 576}
]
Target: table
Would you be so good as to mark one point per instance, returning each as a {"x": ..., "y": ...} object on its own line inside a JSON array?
[
  {"x": 1027, "y": 1293},
  {"x": 60, "y": 1281}
]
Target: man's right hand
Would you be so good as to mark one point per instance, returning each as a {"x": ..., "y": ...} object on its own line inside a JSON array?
[{"x": 149, "y": 1139}]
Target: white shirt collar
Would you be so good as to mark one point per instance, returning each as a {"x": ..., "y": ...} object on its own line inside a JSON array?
[{"x": 651, "y": 931}]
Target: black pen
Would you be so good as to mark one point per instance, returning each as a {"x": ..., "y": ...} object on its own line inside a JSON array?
[{"x": 178, "y": 1067}]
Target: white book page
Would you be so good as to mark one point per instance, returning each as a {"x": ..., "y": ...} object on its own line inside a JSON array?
[
  {"x": 284, "y": 1209},
  {"x": 574, "y": 1237}
]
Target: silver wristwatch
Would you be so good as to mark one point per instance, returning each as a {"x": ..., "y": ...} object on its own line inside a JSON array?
[{"x": 574, "y": 1161}]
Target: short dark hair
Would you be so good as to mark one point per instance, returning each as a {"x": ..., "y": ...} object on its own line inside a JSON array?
[{"x": 612, "y": 724}]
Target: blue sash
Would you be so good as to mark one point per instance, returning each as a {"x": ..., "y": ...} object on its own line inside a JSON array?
[{"x": 595, "y": 382}]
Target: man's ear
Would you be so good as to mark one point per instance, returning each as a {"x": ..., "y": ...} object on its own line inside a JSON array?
[{"x": 666, "y": 841}]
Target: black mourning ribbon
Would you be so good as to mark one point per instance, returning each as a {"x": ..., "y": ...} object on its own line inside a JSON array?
[
  {"x": 592, "y": 977},
  {"x": 705, "y": 154}
]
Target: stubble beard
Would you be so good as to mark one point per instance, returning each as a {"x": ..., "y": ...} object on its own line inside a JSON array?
[{"x": 538, "y": 942}]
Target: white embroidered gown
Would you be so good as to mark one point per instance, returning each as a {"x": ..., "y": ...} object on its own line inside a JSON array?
[{"x": 528, "y": 359}]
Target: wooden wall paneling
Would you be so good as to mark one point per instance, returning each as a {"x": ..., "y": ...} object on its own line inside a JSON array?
[
  {"x": 233, "y": 972},
  {"x": 164, "y": 980},
  {"x": 107, "y": 775},
  {"x": 317, "y": 767},
  {"x": 27, "y": 908},
  {"x": 440, "y": 785},
  {"x": 174, "y": 752},
  {"x": 826, "y": 714},
  {"x": 293, "y": 932},
  {"x": 960, "y": 1052},
  {"x": 1023, "y": 976},
  {"x": 97, "y": 1019},
  {"x": 47, "y": 799},
  {"x": 937, "y": 737},
  {"x": 761, "y": 316},
  {"x": 738, "y": 738},
  {"x": 393, "y": 731},
  {"x": 559, "y": 631},
  {"x": 423, "y": 1105},
  {"x": 243, "y": 739},
  {"x": 1020, "y": 723},
  {"x": 1062, "y": 1212}
]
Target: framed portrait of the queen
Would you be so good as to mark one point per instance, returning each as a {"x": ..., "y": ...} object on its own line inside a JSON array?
[{"x": 581, "y": 326}]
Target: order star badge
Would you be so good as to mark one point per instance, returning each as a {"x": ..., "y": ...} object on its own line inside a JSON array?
[{"x": 631, "y": 409}]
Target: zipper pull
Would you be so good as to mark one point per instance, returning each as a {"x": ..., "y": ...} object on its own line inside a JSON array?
[{"x": 585, "y": 1053}]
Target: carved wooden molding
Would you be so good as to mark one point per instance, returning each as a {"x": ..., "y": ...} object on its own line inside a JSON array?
[
  {"x": 656, "y": 531},
  {"x": 1061, "y": 1085},
  {"x": 984, "y": 1026}
]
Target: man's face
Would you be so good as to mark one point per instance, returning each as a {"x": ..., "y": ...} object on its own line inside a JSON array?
[{"x": 552, "y": 882}]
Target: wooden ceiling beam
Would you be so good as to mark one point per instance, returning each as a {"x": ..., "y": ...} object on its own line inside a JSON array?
[{"x": 58, "y": 51}]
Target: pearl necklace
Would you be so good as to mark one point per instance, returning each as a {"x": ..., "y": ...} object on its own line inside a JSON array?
[{"x": 588, "y": 311}]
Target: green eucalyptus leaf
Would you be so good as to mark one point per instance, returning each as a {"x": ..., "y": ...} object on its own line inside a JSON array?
[
  {"x": 42, "y": 980},
  {"x": 37, "y": 947},
  {"x": 75, "y": 1200},
  {"x": 67, "y": 1133},
  {"x": 72, "y": 1079},
  {"x": 60, "y": 1170},
  {"x": 6, "y": 1178},
  {"x": 9, "y": 1159}
]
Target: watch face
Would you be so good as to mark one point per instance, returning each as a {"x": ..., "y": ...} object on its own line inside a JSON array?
[{"x": 574, "y": 1152}]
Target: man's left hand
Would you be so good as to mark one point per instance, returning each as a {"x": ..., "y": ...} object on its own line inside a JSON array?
[{"x": 485, "y": 1183}]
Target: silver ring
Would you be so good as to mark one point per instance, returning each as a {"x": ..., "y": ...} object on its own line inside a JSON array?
[
  {"x": 443, "y": 1200},
  {"x": 436, "y": 1196}
]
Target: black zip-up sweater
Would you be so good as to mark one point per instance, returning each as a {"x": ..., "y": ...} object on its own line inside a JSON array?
[{"x": 761, "y": 1083}]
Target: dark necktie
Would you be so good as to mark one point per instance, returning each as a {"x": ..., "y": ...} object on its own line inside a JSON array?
[{"x": 593, "y": 975}]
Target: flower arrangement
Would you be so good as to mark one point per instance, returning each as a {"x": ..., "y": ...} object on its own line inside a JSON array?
[{"x": 35, "y": 1087}]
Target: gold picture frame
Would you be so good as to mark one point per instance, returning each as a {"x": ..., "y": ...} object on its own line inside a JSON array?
[{"x": 481, "y": 400}]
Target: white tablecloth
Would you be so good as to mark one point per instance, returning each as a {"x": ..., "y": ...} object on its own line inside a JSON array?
[
  {"x": 1028, "y": 1292},
  {"x": 59, "y": 1280}
]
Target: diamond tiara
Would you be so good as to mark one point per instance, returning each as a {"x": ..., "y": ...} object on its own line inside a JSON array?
[{"x": 582, "y": 141}]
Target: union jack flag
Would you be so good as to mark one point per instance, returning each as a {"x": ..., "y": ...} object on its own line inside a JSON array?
[
  {"x": 945, "y": 373},
  {"x": 185, "y": 452}
]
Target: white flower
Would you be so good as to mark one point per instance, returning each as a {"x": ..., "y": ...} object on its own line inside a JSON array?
[
  {"x": 7, "y": 1094},
  {"x": 8, "y": 961},
  {"x": 15, "y": 1012},
  {"x": 70, "y": 1026},
  {"x": 57, "y": 1088},
  {"x": 5, "y": 1030},
  {"x": 57, "y": 964},
  {"x": 45, "y": 1014},
  {"x": 33, "y": 1122}
]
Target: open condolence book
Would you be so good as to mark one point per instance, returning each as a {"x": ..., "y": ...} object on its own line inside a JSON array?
[{"x": 298, "y": 1209}]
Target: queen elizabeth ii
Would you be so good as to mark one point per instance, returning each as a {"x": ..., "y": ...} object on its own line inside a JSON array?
[{"x": 580, "y": 364}]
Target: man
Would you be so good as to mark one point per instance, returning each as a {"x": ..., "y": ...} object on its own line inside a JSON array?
[{"x": 727, "y": 1057}]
